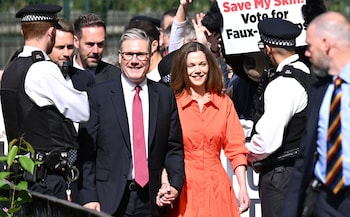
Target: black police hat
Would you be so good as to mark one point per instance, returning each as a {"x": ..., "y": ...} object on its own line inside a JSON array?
[
  {"x": 279, "y": 32},
  {"x": 39, "y": 13},
  {"x": 164, "y": 68}
]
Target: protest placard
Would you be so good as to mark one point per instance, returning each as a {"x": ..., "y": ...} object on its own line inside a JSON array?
[{"x": 240, "y": 21}]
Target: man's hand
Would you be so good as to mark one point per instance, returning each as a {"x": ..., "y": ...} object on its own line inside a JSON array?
[
  {"x": 185, "y": 3},
  {"x": 199, "y": 28},
  {"x": 93, "y": 205}
]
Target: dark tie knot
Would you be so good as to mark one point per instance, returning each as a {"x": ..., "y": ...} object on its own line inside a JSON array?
[{"x": 137, "y": 89}]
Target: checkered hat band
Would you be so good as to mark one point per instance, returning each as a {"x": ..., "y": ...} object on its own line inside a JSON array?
[
  {"x": 39, "y": 17},
  {"x": 166, "y": 78},
  {"x": 278, "y": 42}
]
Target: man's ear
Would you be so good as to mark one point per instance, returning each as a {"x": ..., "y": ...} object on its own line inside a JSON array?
[
  {"x": 76, "y": 42},
  {"x": 50, "y": 31},
  {"x": 268, "y": 49},
  {"x": 154, "y": 46}
]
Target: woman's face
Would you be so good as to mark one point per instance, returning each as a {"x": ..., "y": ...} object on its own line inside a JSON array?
[{"x": 197, "y": 68}]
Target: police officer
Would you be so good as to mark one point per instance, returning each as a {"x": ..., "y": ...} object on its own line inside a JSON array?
[
  {"x": 40, "y": 104},
  {"x": 275, "y": 143}
]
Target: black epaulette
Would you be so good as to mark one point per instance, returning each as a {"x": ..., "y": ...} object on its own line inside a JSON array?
[{"x": 37, "y": 56}]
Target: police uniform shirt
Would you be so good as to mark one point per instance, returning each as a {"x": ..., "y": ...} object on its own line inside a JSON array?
[
  {"x": 320, "y": 168},
  {"x": 283, "y": 98},
  {"x": 45, "y": 85}
]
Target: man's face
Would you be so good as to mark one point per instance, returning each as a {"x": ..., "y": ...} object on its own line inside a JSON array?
[
  {"x": 167, "y": 21},
  {"x": 90, "y": 46},
  {"x": 134, "y": 59},
  {"x": 63, "y": 49},
  {"x": 316, "y": 53}
]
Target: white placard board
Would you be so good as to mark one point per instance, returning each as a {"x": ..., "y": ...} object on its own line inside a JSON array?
[{"x": 240, "y": 27}]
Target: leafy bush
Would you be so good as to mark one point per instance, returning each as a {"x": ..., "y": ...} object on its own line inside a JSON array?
[{"x": 18, "y": 160}]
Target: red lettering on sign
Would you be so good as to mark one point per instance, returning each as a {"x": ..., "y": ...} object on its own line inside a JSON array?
[{"x": 232, "y": 7}]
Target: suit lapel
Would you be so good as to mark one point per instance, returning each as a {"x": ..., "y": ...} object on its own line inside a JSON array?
[
  {"x": 316, "y": 99},
  {"x": 153, "y": 111},
  {"x": 118, "y": 102}
]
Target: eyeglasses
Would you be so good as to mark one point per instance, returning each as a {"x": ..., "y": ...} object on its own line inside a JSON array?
[{"x": 142, "y": 56}]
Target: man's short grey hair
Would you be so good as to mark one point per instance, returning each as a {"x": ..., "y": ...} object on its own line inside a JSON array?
[
  {"x": 134, "y": 33},
  {"x": 190, "y": 32}
]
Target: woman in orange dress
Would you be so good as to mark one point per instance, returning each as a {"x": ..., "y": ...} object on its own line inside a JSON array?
[{"x": 209, "y": 123}]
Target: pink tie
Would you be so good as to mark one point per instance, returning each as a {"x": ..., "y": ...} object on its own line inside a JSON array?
[{"x": 140, "y": 160}]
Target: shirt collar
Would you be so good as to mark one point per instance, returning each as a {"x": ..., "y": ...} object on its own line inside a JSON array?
[
  {"x": 128, "y": 86},
  {"x": 27, "y": 51},
  {"x": 75, "y": 64},
  {"x": 287, "y": 61},
  {"x": 185, "y": 99},
  {"x": 345, "y": 73}
]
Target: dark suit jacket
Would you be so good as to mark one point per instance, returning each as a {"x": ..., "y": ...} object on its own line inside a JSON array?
[
  {"x": 304, "y": 165},
  {"x": 82, "y": 80},
  {"x": 106, "y": 71},
  {"x": 106, "y": 151}
]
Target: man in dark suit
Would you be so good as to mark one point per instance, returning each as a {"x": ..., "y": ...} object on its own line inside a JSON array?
[
  {"x": 110, "y": 181},
  {"x": 90, "y": 40},
  {"x": 310, "y": 191}
]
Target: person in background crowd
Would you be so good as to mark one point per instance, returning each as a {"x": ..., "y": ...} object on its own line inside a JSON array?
[
  {"x": 181, "y": 27},
  {"x": 209, "y": 123},
  {"x": 165, "y": 41},
  {"x": 62, "y": 54},
  {"x": 164, "y": 65},
  {"x": 111, "y": 181},
  {"x": 90, "y": 41},
  {"x": 36, "y": 111},
  {"x": 310, "y": 190},
  {"x": 276, "y": 139},
  {"x": 165, "y": 28},
  {"x": 63, "y": 49}
]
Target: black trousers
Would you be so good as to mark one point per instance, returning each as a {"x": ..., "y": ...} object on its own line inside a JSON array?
[
  {"x": 54, "y": 185},
  {"x": 135, "y": 203},
  {"x": 272, "y": 187}
]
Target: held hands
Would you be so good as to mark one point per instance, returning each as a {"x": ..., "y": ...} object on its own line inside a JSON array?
[
  {"x": 93, "y": 205},
  {"x": 166, "y": 195}
]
